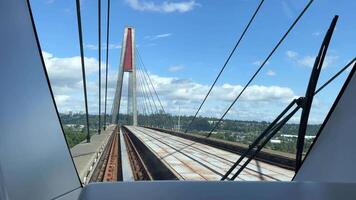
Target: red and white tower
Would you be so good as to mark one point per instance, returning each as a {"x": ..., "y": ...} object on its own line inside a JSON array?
[{"x": 127, "y": 64}]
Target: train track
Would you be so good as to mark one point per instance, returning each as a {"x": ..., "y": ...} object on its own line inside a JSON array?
[
  {"x": 109, "y": 165},
  {"x": 139, "y": 169}
]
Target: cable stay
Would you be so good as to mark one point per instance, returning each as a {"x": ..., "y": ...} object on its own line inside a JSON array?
[
  {"x": 301, "y": 102},
  {"x": 146, "y": 85},
  {"x": 150, "y": 85},
  {"x": 225, "y": 64},
  {"x": 154, "y": 110},
  {"x": 158, "y": 113},
  {"x": 335, "y": 76},
  {"x": 107, "y": 61},
  {"x": 140, "y": 96},
  {"x": 144, "y": 70},
  {"x": 145, "y": 93},
  {"x": 144, "y": 102},
  {"x": 99, "y": 58},
  {"x": 79, "y": 21},
  {"x": 149, "y": 78},
  {"x": 262, "y": 65}
]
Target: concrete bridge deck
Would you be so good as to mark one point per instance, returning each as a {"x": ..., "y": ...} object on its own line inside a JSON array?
[{"x": 190, "y": 160}]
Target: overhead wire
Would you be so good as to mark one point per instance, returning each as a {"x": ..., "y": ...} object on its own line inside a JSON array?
[
  {"x": 273, "y": 127},
  {"x": 335, "y": 76},
  {"x": 262, "y": 65},
  {"x": 225, "y": 64}
]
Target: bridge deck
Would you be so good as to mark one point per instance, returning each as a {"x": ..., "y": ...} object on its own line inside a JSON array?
[{"x": 195, "y": 161}]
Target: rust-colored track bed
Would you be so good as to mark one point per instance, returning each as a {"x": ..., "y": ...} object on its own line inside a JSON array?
[
  {"x": 109, "y": 165},
  {"x": 139, "y": 169}
]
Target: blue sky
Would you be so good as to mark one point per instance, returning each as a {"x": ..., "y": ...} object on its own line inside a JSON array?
[{"x": 185, "y": 42}]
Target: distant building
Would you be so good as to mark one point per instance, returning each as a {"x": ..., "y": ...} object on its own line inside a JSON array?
[
  {"x": 78, "y": 126},
  {"x": 296, "y": 136},
  {"x": 212, "y": 121},
  {"x": 275, "y": 141}
]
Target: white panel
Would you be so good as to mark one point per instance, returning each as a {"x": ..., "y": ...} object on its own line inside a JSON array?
[
  {"x": 333, "y": 156},
  {"x": 34, "y": 157}
]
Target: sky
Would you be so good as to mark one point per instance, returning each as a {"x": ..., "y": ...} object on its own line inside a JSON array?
[{"x": 184, "y": 43}]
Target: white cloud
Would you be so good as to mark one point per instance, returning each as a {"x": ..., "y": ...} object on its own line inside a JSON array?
[
  {"x": 176, "y": 68},
  {"x": 68, "y": 70},
  {"x": 270, "y": 73},
  {"x": 291, "y": 54},
  {"x": 308, "y": 60},
  {"x": 155, "y": 37},
  {"x": 258, "y": 63},
  {"x": 66, "y": 80},
  {"x": 165, "y": 7},
  {"x": 60, "y": 99},
  {"x": 258, "y": 102},
  {"x": 316, "y": 33},
  {"x": 103, "y": 46},
  {"x": 163, "y": 35},
  {"x": 187, "y": 90},
  {"x": 49, "y": 1},
  {"x": 287, "y": 9}
]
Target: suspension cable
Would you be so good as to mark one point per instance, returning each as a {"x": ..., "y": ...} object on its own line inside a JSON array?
[
  {"x": 335, "y": 76},
  {"x": 149, "y": 78},
  {"x": 255, "y": 143},
  {"x": 268, "y": 138},
  {"x": 272, "y": 126},
  {"x": 145, "y": 84},
  {"x": 145, "y": 77},
  {"x": 143, "y": 104},
  {"x": 99, "y": 55},
  {"x": 262, "y": 65},
  {"x": 107, "y": 61},
  {"x": 225, "y": 64},
  {"x": 148, "y": 89},
  {"x": 145, "y": 72},
  {"x": 83, "y": 66},
  {"x": 147, "y": 99},
  {"x": 153, "y": 88}
]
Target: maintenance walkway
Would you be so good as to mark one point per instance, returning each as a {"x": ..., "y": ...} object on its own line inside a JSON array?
[{"x": 86, "y": 155}]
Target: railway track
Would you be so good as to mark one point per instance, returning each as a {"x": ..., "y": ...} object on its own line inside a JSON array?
[
  {"x": 143, "y": 163},
  {"x": 109, "y": 164},
  {"x": 139, "y": 168}
]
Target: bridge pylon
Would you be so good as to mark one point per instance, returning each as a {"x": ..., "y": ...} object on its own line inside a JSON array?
[{"x": 128, "y": 65}]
